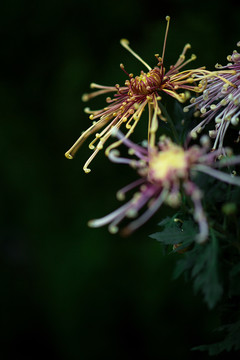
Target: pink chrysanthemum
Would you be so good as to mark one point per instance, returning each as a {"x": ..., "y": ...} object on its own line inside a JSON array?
[
  {"x": 220, "y": 101},
  {"x": 130, "y": 100},
  {"x": 164, "y": 171}
]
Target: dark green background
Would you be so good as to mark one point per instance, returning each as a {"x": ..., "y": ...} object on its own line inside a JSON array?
[{"x": 67, "y": 291}]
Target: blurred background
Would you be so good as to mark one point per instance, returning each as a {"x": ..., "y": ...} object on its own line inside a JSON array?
[{"x": 67, "y": 291}]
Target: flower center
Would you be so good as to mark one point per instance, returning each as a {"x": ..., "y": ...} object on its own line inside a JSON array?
[
  {"x": 168, "y": 164},
  {"x": 147, "y": 83}
]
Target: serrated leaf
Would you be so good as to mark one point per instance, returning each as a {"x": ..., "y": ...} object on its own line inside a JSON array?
[
  {"x": 234, "y": 280},
  {"x": 205, "y": 273},
  {"x": 174, "y": 234},
  {"x": 182, "y": 266},
  {"x": 235, "y": 270},
  {"x": 166, "y": 221},
  {"x": 201, "y": 265},
  {"x": 231, "y": 341},
  {"x": 169, "y": 236}
]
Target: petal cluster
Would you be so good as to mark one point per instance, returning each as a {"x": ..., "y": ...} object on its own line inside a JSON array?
[
  {"x": 164, "y": 170},
  {"x": 127, "y": 103},
  {"x": 220, "y": 101}
]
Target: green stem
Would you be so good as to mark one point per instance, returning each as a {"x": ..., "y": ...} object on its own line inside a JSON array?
[
  {"x": 170, "y": 121},
  {"x": 227, "y": 197}
]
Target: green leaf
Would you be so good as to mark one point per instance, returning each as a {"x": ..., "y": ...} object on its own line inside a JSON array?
[
  {"x": 230, "y": 342},
  {"x": 174, "y": 234},
  {"x": 234, "y": 288},
  {"x": 235, "y": 270},
  {"x": 205, "y": 273},
  {"x": 201, "y": 265},
  {"x": 166, "y": 222}
]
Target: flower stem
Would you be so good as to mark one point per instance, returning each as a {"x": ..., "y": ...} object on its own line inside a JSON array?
[{"x": 170, "y": 121}]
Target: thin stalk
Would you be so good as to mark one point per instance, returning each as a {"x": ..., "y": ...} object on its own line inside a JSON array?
[{"x": 171, "y": 123}]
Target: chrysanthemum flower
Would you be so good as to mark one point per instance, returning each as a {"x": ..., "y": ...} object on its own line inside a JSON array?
[
  {"x": 129, "y": 101},
  {"x": 220, "y": 101},
  {"x": 164, "y": 171}
]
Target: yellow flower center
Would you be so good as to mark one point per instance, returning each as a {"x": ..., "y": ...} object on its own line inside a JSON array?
[
  {"x": 169, "y": 163},
  {"x": 147, "y": 83}
]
